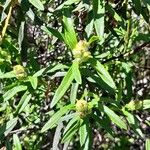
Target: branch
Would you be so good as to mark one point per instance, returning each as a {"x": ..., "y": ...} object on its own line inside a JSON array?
[{"x": 135, "y": 50}]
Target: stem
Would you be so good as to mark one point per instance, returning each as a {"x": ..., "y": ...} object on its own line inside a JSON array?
[
  {"x": 7, "y": 21},
  {"x": 127, "y": 35}
]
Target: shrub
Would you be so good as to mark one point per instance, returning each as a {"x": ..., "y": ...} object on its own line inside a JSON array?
[{"x": 68, "y": 72}]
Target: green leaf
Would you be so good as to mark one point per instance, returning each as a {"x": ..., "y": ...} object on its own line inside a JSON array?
[
  {"x": 10, "y": 125},
  {"x": 134, "y": 123},
  {"x": 72, "y": 129},
  {"x": 69, "y": 32},
  {"x": 66, "y": 3},
  {"x": 73, "y": 92},
  {"x": 147, "y": 144},
  {"x": 21, "y": 34},
  {"x": 54, "y": 32},
  {"x": 113, "y": 13},
  {"x": 55, "y": 68},
  {"x": 137, "y": 6},
  {"x": 56, "y": 117},
  {"x": 30, "y": 14},
  {"x": 83, "y": 134},
  {"x": 142, "y": 37},
  {"x": 102, "y": 72},
  {"x": 39, "y": 73},
  {"x": 37, "y": 3},
  {"x": 23, "y": 102},
  {"x": 9, "y": 94},
  {"x": 103, "y": 123},
  {"x": 71, "y": 122},
  {"x": 98, "y": 11},
  {"x": 34, "y": 81},
  {"x": 7, "y": 127},
  {"x": 7, "y": 75},
  {"x": 57, "y": 136},
  {"x": 115, "y": 118},
  {"x": 3, "y": 16},
  {"x": 146, "y": 104},
  {"x": 76, "y": 72},
  {"x": 90, "y": 24},
  {"x": 93, "y": 39},
  {"x": 63, "y": 87},
  {"x": 16, "y": 141},
  {"x": 97, "y": 81}
]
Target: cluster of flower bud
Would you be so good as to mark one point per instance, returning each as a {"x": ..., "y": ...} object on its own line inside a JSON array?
[
  {"x": 134, "y": 105},
  {"x": 81, "y": 52},
  {"x": 82, "y": 108},
  {"x": 4, "y": 56},
  {"x": 19, "y": 72}
]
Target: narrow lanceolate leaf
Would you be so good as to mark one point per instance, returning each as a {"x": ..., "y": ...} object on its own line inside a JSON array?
[
  {"x": 115, "y": 118},
  {"x": 134, "y": 123},
  {"x": 71, "y": 122},
  {"x": 146, "y": 104},
  {"x": 66, "y": 3},
  {"x": 54, "y": 32},
  {"x": 89, "y": 24},
  {"x": 57, "y": 136},
  {"x": 99, "y": 10},
  {"x": 73, "y": 92},
  {"x": 3, "y": 15},
  {"x": 21, "y": 34},
  {"x": 56, "y": 117},
  {"x": 63, "y": 87},
  {"x": 83, "y": 133},
  {"x": 71, "y": 131},
  {"x": 147, "y": 144},
  {"x": 7, "y": 75},
  {"x": 103, "y": 73},
  {"x": 23, "y": 102},
  {"x": 93, "y": 39},
  {"x": 39, "y": 73},
  {"x": 76, "y": 72},
  {"x": 9, "y": 94},
  {"x": 69, "y": 32},
  {"x": 34, "y": 81},
  {"x": 10, "y": 125},
  {"x": 16, "y": 141},
  {"x": 37, "y": 3}
]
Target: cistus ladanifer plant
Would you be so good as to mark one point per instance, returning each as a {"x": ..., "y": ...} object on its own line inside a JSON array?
[{"x": 74, "y": 74}]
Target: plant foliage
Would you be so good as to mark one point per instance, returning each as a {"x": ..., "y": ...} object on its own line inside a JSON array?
[{"x": 68, "y": 74}]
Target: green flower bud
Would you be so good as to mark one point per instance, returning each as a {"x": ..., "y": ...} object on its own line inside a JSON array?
[
  {"x": 19, "y": 71},
  {"x": 86, "y": 56},
  {"x": 134, "y": 105},
  {"x": 82, "y": 46},
  {"x": 4, "y": 56},
  {"x": 77, "y": 53},
  {"x": 82, "y": 106},
  {"x": 80, "y": 52}
]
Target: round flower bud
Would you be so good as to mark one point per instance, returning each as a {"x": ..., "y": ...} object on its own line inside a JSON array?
[
  {"x": 82, "y": 45},
  {"x": 80, "y": 48},
  {"x": 134, "y": 105},
  {"x": 86, "y": 56},
  {"x": 19, "y": 71},
  {"x": 82, "y": 106},
  {"x": 77, "y": 53}
]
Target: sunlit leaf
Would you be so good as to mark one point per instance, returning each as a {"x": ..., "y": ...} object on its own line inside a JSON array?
[
  {"x": 56, "y": 117},
  {"x": 63, "y": 87},
  {"x": 37, "y": 3},
  {"x": 114, "y": 117}
]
